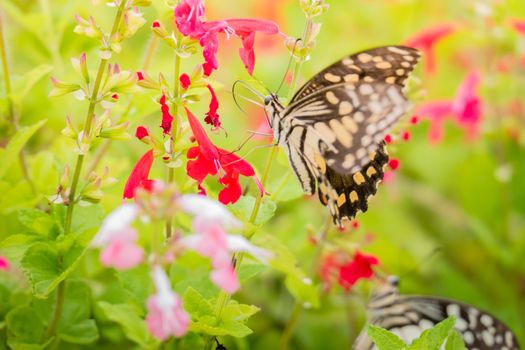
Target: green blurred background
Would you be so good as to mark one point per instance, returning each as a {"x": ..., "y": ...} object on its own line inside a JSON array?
[{"x": 448, "y": 224}]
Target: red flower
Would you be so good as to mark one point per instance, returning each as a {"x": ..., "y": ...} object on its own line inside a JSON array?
[
  {"x": 246, "y": 28},
  {"x": 212, "y": 117},
  {"x": 167, "y": 118},
  {"x": 140, "y": 76},
  {"x": 139, "y": 176},
  {"x": 466, "y": 108},
  {"x": 190, "y": 19},
  {"x": 426, "y": 41},
  {"x": 185, "y": 81},
  {"x": 336, "y": 266},
  {"x": 207, "y": 159},
  {"x": 359, "y": 268}
]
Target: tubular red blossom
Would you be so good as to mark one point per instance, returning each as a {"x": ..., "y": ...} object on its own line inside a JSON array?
[
  {"x": 207, "y": 159},
  {"x": 139, "y": 176},
  {"x": 167, "y": 118},
  {"x": 212, "y": 117},
  {"x": 140, "y": 76},
  {"x": 141, "y": 132},
  {"x": 359, "y": 268},
  {"x": 185, "y": 81},
  {"x": 426, "y": 41},
  {"x": 190, "y": 20}
]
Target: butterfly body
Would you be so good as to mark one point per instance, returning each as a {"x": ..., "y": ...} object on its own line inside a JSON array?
[
  {"x": 409, "y": 315},
  {"x": 334, "y": 126}
]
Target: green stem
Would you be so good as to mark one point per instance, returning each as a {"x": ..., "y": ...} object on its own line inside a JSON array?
[
  {"x": 107, "y": 144},
  {"x": 174, "y": 130},
  {"x": 224, "y": 298},
  {"x": 10, "y": 108},
  {"x": 52, "y": 328},
  {"x": 290, "y": 326}
]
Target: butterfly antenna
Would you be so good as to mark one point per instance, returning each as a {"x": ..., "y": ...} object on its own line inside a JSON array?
[{"x": 288, "y": 66}]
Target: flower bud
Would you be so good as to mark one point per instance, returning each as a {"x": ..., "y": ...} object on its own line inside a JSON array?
[
  {"x": 116, "y": 132},
  {"x": 133, "y": 20},
  {"x": 159, "y": 30},
  {"x": 145, "y": 81},
  {"x": 60, "y": 88},
  {"x": 69, "y": 130}
]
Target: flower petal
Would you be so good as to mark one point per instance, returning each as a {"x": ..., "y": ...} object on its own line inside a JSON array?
[{"x": 139, "y": 174}]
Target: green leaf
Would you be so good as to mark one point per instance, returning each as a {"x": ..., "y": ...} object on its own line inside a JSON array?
[
  {"x": 26, "y": 328},
  {"x": 15, "y": 246},
  {"x": 208, "y": 325},
  {"x": 132, "y": 323},
  {"x": 76, "y": 325},
  {"x": 297, "y": 282},
  {"x": 238, "y": 312},
  {"x": 196, "y": 304},
  {"x": 244, "y": 206},
  {"x": 385, "y": 340},
  {"x": 36, "y": 221},
  {"x": 24, "y": 84},
  {"x": 44, "y": 268},
  {"x": 10, "y": 154},
  {"x": 433, "y": 338},
  {"x": 455, "y": 342}
]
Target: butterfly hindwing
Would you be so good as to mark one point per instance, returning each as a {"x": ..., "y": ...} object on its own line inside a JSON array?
[
  {"x": 408, "y": 316},
  {"x": 389, "y": 64}
]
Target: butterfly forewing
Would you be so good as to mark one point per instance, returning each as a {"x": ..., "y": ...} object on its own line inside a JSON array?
[
  {"x": 334, "y": 126},
  {"x": 389, "y": 64}
]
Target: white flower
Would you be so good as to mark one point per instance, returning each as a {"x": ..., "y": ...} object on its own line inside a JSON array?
[
  {"x": 208, "y": 211},
  {"x": 116, "y": 222}
]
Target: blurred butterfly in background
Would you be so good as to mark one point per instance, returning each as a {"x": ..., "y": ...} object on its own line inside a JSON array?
[
  {"x": 408, "y": 316},
  {"x": 334, "y": 126}
]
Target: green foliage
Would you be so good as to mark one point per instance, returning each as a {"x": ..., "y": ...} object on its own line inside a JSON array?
[{"x": 430, "y": 339}]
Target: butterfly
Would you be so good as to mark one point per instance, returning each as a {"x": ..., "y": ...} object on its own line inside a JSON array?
[
  {"x": 409, "y": 315},
  {"x": 334, "y": 126}
]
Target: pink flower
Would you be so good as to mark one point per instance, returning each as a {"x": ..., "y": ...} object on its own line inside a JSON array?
[
  {"x": 212, "y": 117},
  {"x": 466, "y": 109},
  {"x": 519, "y": 25},
  {"x": 190, "y": 19},
  {"x": 246, "y": 28},
  {"x": 118, "y": 221},
  {"x": 189, "y": 16},
  {"x": 208, "y": 159},
  {"x": 122, "y": 252},
  {"x": 225, "y": 278},
  {"x": 207, "y": 213},
  {"x": 166, "y": 317},
  {"x": 426, "y": 41},
  {"x": 4, "y": 264},
  {"x": 167, "y": 118},
  {"x": 139, "y": 176}
]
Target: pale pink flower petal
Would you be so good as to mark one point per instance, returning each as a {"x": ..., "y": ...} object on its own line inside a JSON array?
[
  {"x": 225, "y": 278},
  {"x": 166, "y": 316},
  {"x": 116, "y": 222},
  {"x": 207, "y": 212},
  {"x": 122, "y": 252}
]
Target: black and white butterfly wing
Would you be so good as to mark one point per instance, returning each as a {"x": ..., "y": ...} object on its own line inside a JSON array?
[
  {"x": 334, "y": 126},
  {"x": 389, "y": 64},
  {"x": 409, "y": 316}
]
